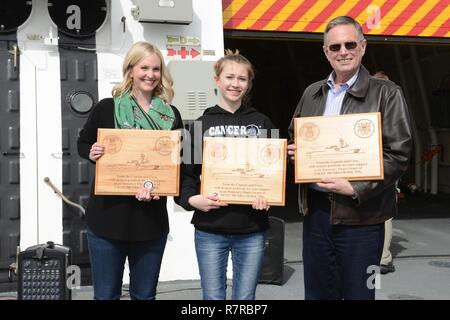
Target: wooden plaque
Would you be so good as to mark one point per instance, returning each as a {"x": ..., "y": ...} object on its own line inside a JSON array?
[
  {"x": 241, "y": 169},
  {"x": 346, "y": 146},
  {"x": 135, "y": 157}
]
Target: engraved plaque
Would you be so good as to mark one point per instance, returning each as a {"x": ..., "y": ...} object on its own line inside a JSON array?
[
  {"x": 347, "y": 146},
  {"x": 241, "y": 169},
  {"x": 137, "y": 158}
]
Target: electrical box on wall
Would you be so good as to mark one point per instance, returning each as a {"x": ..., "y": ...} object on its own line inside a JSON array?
[
  {"x": 193, "y": 97},
  {"x": 163, "y": 11}
]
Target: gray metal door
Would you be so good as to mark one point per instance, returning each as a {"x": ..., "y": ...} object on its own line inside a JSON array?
[
  {"x": 9, "y": 156},
  {"x": 78, "y": 94},
  {"x": 12, "y": 15},
  {"x": 77, "y": 22}
]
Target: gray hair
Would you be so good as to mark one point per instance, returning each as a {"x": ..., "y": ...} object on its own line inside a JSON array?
[{"x": 343, "y": 20}]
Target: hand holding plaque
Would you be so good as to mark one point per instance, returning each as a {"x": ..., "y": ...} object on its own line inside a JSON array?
[
  {"x": 239, "y": 170},
  {"x": 347, "y": 146},
  {"x": 138, "y": 158}
]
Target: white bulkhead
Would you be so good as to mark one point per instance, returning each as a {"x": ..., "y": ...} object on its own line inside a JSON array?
[{"x": 40, "y": 96}]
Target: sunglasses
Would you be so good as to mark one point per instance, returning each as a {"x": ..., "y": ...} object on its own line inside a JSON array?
[{"x": 335, "y": 47}]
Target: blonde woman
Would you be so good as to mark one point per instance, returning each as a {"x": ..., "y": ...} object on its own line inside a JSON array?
[{"x": 121, "y": 227}]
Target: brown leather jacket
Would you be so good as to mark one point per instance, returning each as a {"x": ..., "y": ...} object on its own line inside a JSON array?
[{"x": 375, "y": 201}]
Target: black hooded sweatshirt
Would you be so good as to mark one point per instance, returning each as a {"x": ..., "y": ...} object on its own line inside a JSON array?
[{"x": 217, "y": 122}]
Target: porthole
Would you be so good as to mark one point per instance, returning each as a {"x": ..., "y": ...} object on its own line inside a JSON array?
[{"x": 81, "y": 101}]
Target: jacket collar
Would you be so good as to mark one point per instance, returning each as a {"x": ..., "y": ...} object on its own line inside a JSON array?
[{"x": 358, "y": 89}]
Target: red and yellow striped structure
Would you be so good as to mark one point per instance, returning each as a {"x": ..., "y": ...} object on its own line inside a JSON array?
[{"x": 422, "y": 18}]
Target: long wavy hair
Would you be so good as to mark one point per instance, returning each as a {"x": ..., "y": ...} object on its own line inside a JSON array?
[{"x": 137, "y": 52}]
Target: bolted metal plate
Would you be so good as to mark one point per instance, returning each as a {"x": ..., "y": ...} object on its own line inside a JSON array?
[
  {"x": 10, "y": 153},
  {"x": 401, "y": 296},
  {"x": 439, "y": 263}
]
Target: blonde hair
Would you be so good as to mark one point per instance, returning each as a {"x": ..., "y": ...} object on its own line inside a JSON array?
[
  {"x": 238, "y": 58},
  {"x": 137, "y": 52}
]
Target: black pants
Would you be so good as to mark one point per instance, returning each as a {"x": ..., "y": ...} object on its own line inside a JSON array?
[{"x": 340, "y": 261}]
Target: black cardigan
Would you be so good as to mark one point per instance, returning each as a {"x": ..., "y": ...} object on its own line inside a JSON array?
[{"x": 121, "y": 217}]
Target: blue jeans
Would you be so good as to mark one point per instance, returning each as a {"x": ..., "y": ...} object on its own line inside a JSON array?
[
  {"x": 247, "y": 253},
  {"x": 336, "y": 257},
  {"x": 108, "y": 262}
]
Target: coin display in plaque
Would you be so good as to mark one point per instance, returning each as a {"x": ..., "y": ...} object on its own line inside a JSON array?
[
  {"x": 138, "y": 158},
  {"x": 239, "y": 170},
  {"x": 347, "y": 146}
]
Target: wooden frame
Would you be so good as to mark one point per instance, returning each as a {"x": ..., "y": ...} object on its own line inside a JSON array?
[
  {"x": 136, "y": 157},
  {"x": 347, "y": 146},
  {"x": 241, "y": 169}
]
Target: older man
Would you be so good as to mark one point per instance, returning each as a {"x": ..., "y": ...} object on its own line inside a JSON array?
[{"x": 343, "y": 230}]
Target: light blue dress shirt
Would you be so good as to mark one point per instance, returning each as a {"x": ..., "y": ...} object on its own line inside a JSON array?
[
  {"x": 336, "y": 96},
  {"x": 334, "y": 104}
]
